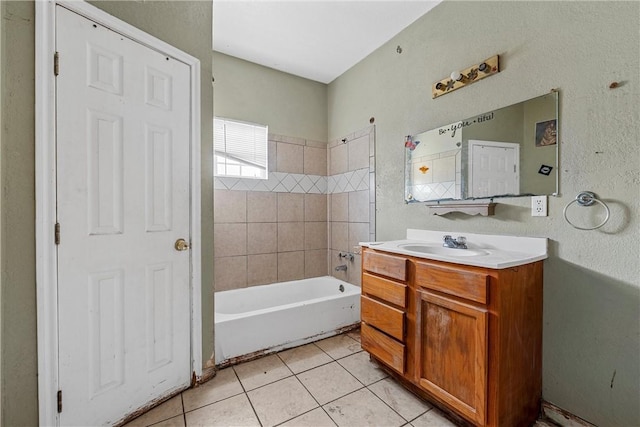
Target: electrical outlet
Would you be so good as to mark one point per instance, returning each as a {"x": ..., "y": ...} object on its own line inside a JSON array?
[{"x": 539, "y": 206}]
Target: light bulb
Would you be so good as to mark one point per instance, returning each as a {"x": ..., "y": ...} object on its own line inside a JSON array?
[{"x": 456, "y": 76}]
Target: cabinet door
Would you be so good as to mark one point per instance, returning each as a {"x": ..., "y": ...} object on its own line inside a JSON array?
[{"x": 451, "y": 345}]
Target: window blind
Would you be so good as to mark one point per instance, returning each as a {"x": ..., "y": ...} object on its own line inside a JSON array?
[{"x": 243, "y": 142}]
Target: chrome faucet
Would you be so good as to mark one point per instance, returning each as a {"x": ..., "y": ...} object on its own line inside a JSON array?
[
  {"x": 342, "y": 267},
  {"x": 459, "y": 243}
]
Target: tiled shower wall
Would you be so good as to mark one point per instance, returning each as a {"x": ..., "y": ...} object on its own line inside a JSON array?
[
  {"x": 280, "y": 229},
  {"x": 351, "y": 192},
  {"x": 274, "y": 230}
]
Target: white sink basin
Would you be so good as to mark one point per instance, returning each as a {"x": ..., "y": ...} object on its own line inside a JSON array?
[
  {"x": 485, "y": 250},
  {"x": 441, "y": 250}
]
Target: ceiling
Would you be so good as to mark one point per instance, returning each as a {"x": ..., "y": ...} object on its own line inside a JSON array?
[{"x": 318, "y": 40}]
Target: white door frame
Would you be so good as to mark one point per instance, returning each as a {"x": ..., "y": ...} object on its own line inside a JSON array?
[
  {"x": 511, "y": 145},
  {"x": 46, "y": 255}
]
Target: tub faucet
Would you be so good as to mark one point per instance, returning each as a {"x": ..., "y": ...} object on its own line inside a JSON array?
[
  {"x": 459, "y": 243},
  {"x": 342, "y": 267},
  {"x": 346, "y": 255}
]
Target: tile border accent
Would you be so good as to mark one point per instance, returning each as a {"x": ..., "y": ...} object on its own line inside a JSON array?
[
  {"x": 280, "y": 182},
  {"x": 349, "y": 181}
]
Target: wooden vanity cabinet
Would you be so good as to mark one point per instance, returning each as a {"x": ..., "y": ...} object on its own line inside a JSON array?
[
  {"x": 473, "y": 339},
  {"x": 383, "y": 308}
]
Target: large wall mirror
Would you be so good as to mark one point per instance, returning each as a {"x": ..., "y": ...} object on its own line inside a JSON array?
[{"x": 512, "y": 151}]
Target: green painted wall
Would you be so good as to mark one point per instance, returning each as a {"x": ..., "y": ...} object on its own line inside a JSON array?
[
  {"x": 2, "y": 26},
  {"x": 289, "y": 105},
  {"x": 592, "y": 279},
  {"x": 17, "y": 217},
  {"x": 186, "y": 25},
  {"x": 1, "y": 114}
]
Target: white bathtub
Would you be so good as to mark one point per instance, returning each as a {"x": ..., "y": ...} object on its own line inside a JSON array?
[{"x": 263, "y": 319}]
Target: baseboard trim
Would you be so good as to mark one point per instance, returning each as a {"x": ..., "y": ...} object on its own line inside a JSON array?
[{"x": 562, "y": 417}]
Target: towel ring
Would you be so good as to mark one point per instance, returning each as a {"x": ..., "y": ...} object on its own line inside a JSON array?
[{"x": 587, "y": 198}]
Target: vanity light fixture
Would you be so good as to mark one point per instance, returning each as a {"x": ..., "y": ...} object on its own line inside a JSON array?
[
  {"x": 469, "y": 75},
  {"x": 458, "y": 76}
]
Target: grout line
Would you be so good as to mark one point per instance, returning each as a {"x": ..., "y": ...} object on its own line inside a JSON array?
[
  {"x": 184, "y": 414},
  {"x": 304, "y": 413},
  {"x": 314, "y": 398},
  {"x": 311, "y": 369},
  {"x": 244, "y": 391},
  {"x": 216, "y": 401},
  {"x": 328, "y": 415},
  {"x": 428, "y": 410},
  {"x": 348, "y": 394},
  {"x": 378, "y": 381},
  {"x": 310, "y": 394},
  {"x": 269, "y": 383},
  {"x": 390, "y": 407},
  {"x": 238, "y": 378},
  {"x": 253, "y": 409},
  {"x": 364, "y": 386},
  {"x": 266, "y": 384},
  {"x": 285, "y": 363},
  {"x": 212, "y": 403},
  {"x": 333, "y": 360}
]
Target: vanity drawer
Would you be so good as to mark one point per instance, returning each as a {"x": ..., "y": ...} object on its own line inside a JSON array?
[
  {"x": 388, "y": 350},
  {"x": 387, "y": 290},
  {"x": 388, "y": 319},
  {"x": 471, "y": 285},
  {"x": 385, "y": 265}
]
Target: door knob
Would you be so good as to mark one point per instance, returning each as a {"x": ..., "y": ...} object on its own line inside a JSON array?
[{"x": 181, "y": 245}]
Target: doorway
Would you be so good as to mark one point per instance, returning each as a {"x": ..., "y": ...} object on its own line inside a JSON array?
[{"x": 118, "y": 269}]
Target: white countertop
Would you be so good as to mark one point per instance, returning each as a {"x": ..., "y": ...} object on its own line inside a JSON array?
[{"x": 484, "y": 250}]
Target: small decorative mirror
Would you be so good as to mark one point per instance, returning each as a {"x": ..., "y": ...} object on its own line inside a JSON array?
[{"x": 509, "y": 152}]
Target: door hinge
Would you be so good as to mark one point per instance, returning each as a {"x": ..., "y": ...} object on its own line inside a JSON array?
[
  {"x": 59, "y": 401},
  {"x": 56, "y": 64},
  {"x": 56, "y": 233}
]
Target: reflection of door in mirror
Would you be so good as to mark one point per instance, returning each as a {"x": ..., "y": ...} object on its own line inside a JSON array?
[{"x": 493, "y": 168}]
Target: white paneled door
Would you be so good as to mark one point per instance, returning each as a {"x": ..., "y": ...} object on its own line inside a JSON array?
[{"x": 123, "y": 117}]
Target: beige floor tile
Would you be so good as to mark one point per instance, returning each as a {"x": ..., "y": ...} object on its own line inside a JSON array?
[
  {"x": 168, "y": 409},
  {"x": 224, "y": 385},
  {"x": 400, "y": 399},
  {"x": 281, "y": 401},
  {"x": 339, "y": 346},
  {"x": 329, "y": 382},
  {"x": 177, "y": 421},
  {"x": 305, "y": 357},
  {"x": 234, "y": 411},
  {"x": 355, "y": 334},
  {"x": 360, "y": 366},
  {"x": 279, "y": 396},
  {"x": 261, "y": 371},
  {"x": 362, "y": 408},
  {"x": 433, "y": 418},
  {"x": 315, "y": 418}
]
